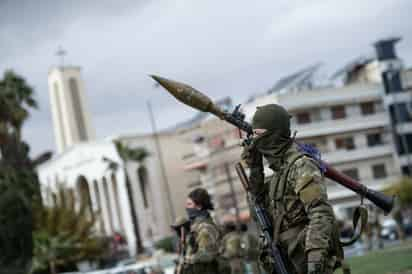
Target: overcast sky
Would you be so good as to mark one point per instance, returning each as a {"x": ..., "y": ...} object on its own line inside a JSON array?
[{"x": 234, "y": 48}]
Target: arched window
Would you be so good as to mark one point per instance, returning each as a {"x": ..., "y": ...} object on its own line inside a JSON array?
[
  {"x": 84, "y": 193},
  {"x": 99, "y": 204}
]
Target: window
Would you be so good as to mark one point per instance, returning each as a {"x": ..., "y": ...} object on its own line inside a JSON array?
[
  {"x": 338, "y": 112},
  {"x": 367, "y": 108},
  {"x": 405, "y": 170},
  {"x": 399, "y": 113},
  {"x": 352, "y": 172},
  {"x": 403, "y": 143},
  {"x": 374, "y": 139},
  {"x": 303, "y": 118},
  {"x": 379, "y": 171},
  {"x": 345, "y": 143},
  {"x": 227, "y": 201},
  {"x": 392, "y": 81}
]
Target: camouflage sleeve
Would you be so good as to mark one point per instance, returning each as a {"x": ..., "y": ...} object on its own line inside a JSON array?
[
  {"x": 207, "y": 245},
  {"x": 310, "y": 186}
]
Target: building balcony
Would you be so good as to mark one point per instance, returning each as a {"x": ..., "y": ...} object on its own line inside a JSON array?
[
  {"x": 351, "y": 123},
  {"x": 343, "y": 156}
]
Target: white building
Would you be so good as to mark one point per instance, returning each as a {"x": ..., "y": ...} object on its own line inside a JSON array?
[
  {"x": 85, "y": 168},
  {"x": 128, "y": 202},
  {"x": 71, "y": 120}
]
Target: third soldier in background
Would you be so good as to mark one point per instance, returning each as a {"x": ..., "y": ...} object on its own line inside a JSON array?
[
  {"x": 231, "y": 248},
  {"x": 304, "y": 223},
  {"x": 251, "y": 249}
]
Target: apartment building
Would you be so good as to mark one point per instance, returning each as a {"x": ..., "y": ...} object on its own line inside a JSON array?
[{"x": 350, "y": 124}]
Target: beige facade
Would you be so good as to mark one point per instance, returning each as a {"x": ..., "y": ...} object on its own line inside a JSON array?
[
  {"x": 167, "y": 194},
  {"x": 211, "y": 164}
]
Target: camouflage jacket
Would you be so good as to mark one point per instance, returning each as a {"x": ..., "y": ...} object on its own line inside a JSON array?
[
  {"x": 231, "y": 246},
  {"x": 296, "y": 199},
  {"x": 202, "y": 247},
  {"x": 250, "y": 246}
]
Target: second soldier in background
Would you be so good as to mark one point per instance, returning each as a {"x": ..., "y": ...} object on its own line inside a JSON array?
[{"x": 201, "y": 244}]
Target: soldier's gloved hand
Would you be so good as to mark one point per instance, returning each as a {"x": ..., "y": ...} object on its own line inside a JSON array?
[
  {"x": 250, "y": 156},
  {"x": 316, "y": 262}
]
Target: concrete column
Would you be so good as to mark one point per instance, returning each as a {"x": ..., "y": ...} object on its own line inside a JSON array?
[
  {"x": 125, "y": 212},
  {"x": 116, "y": 204},
  {"x": 105, "y": 208}
]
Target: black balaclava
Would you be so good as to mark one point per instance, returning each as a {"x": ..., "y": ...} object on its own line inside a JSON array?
[
  {"x": 276, "y": 140},
  {"x": 193, "y": 213}
]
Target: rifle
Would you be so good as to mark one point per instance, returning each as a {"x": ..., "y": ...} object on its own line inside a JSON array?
[
  {"x": 263, "y": 222},
  {"x": 182, "y": 251},
  {"x": 190, "y": 96}
]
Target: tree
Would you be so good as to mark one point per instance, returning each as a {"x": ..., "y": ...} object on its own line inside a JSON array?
[
  {"x": 403, "y": 192},
  {"x": 167, "y": 244},
  {"x": 16, "y": 98},
  {"x": 64, "y": 235},
  {"x": 19, "y": 185},
  {"x": 133, "y": 155}
]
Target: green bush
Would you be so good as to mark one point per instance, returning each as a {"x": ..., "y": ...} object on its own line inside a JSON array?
[{"x": 167, "y": 244}]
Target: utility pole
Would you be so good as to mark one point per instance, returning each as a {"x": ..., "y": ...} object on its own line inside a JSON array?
[{"x": 161, "y": 161}]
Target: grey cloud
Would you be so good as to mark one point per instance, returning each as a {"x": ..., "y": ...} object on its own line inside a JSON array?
[
  {"x": 233, "y": 48},
  {"x": 26, "y": 23}
]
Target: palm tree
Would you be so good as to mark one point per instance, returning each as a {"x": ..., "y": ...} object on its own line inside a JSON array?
[
  {"x": 16, "y": 98},
  {"x": 64, "y": 235},
  {"x": 19, "y": 186},
  {"x": 128, "y": 154}
]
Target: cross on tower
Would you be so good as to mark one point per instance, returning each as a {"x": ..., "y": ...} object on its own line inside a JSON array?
[{"x": 61, "y": 53}]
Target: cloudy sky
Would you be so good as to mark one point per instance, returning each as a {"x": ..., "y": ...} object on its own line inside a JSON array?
[{"x": 230, "y": 47}]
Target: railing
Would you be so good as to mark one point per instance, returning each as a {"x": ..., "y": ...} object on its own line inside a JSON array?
[{"x": 350, "y": 123}]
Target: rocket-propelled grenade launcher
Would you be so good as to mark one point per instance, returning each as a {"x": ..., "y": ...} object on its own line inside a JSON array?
[{"x": 190, "y": 96}]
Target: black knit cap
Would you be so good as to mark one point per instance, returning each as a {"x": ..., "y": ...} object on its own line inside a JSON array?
[
  {"x": 272, "y": 117},
  {"x": 201, "y": 198}
]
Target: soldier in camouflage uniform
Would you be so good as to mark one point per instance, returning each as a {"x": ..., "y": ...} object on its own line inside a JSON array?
[
  {"x": 202, "y": 245},
  {"x": 303, "y": 220},
  {"x": 250, "y": 248},
  {"x": 231, "y": 249}
]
